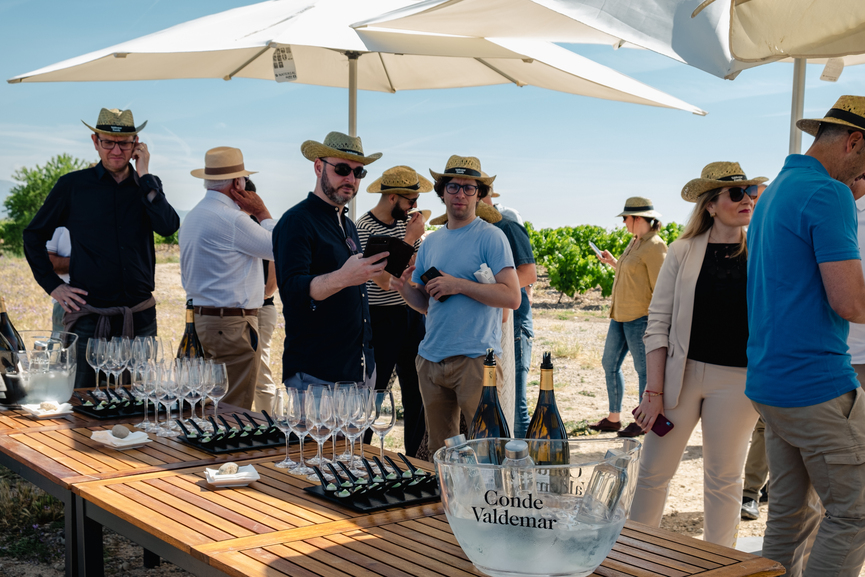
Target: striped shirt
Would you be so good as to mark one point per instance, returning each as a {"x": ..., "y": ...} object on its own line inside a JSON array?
[{"x": 368, "y": 226}]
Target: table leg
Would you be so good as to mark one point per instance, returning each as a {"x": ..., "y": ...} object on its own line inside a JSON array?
[
  {"x": 90, "y": 561},
  {"x": 151, "y": 559}
]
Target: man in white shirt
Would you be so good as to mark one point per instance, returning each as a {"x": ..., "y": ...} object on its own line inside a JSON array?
[
  {"x": 59, "y": 250},
  {"x": 221, "y": 253}
]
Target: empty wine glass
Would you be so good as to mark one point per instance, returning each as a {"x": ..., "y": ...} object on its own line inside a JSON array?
[
  {"x": 340, "y": 391},
  {"x": 300, "y": 424},
  {"x": 353, "y": 420},
  {"x": 166, "y": 394},
  {"x": 124, "y": 358},
  {"x": 313, "y": 394},
  {"x": 106, "y": 360},
  {"x": 151, "y": 377},
  {"x": 384, "y": 416},
  {"x": 206, "y": 388},
  {"x": 319, "y": 409},
  {"x": 192, "y": 386},
  {"x": 219, "y": 379},
  {"x": 368, "y": 399},
  {"x": 282, "y": 413},
  {"x": 93, "y": 361}
]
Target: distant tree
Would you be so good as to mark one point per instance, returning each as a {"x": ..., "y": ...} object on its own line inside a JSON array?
[{"x": 25, "y": 199}]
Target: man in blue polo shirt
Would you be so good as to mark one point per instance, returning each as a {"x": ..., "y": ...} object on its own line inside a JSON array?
[
  {"x": 805, "y": 284},
  {"x": 464, "y": 317}
]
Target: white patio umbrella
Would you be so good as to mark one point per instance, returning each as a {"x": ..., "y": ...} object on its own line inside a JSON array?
[{"x": 722, "y": 37}]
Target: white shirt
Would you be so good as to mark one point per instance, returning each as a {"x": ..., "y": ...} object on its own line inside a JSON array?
[
  {"x": 221, "y": 250},
  {"x": 509, "y": 213},
  {"x": 856, "y": 338},
  {"x": 61, "y": 245}
]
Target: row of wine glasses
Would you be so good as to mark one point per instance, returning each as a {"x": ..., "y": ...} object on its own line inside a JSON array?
[
  {"x": 323, "y": 411},
  {"x": 118, "y": 354}
]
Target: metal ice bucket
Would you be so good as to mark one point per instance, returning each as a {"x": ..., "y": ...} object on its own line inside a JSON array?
[
  {"x": 43, "y": 371},
  {"x": 558, "y": 520}
]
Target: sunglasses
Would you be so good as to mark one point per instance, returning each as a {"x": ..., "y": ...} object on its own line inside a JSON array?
[
  {"x": 737, "y": 193},
  {"x": 342, "y": 169}
]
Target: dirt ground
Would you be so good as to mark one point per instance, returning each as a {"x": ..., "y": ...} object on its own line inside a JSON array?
[{"x": 573, "y": 329}]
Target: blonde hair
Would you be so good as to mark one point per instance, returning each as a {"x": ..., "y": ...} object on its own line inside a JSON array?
[{"x": 700, "y": 221}]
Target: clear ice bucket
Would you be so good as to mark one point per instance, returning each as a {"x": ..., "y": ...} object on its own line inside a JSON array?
[
  {"x": 43, "y": 371},
  {"x": 557, "y": 520}
]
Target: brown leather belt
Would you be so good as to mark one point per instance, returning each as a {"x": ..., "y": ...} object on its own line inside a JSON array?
[{"x": 225, "y": 312}]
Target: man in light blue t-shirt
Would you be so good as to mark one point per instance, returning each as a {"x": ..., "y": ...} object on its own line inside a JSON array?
[
  {"x": 805, "y": 284},
  {"x": 464, "y": 316}
]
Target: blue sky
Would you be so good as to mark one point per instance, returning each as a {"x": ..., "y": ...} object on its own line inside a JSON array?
[{"x": 560, "y": 159}]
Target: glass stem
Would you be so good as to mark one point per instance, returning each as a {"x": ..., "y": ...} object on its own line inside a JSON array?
[
  {"x": 146, "y": 417},
  {"x": 97, "y": 378},
  {"x": 318, "y": 454},
  {"x": 333, "y": 446},
  {"x": 382, "y": 446},
  {"x": 302, "y": 461},
  {"x": 286, "y": 446}
]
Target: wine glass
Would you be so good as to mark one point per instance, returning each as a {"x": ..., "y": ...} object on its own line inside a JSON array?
[
  {"x": 219, "y": 379},
  {"x": 319, "y": 409},
  {"x": 192, "y": 386},
  {"x": 300, "y": 424},
  {"x": 368, "y": 399},
  {"x": 106, "y": 360},
  {"x": 282, "y": 414},
  {"x": 340, "y": 391},
  {"x": 353, "y": 419},
  {"x": 124, "y": 358},
  {"x": 384, "y": 416},
  {"x": 167, "y": 395},
  {"x": 93, "y": 361},
  {"x": 151, "y": 377},
  {"x": 206, "y": 388},
  {"x": 139, "y": 352},
  {"x": 313, "y": 394}
]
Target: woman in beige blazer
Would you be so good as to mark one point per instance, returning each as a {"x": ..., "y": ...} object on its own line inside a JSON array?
[{"x": 695, "y": 344}]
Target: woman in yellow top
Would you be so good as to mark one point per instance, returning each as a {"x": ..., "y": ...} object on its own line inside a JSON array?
[{"x": 636, "y": 272}]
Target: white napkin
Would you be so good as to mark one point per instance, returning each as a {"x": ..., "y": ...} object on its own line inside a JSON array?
[
  {"x": 106, "y": 438},
  {"x": 64, "y": 409},
  {"x": 246, "y": 473}
]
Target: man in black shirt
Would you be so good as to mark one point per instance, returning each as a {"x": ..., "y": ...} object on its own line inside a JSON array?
[
  {"x": 322, "y": 275},
  {"x": 111, "y": 211}
]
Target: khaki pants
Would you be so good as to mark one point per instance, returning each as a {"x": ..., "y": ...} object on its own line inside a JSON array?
[
  {"x": 756, "y": 466},
  {"x": 449, "y": 387},
  {"x": 265, "y": 388},
  {"x": 715, "y": 396},
  {"x": 233, "y": 341},
  {"x": 817, "y": 457}
]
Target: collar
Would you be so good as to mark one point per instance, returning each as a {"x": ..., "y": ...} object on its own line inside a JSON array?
[
  {"x": 222, "y": 198},
  {"x": 100, "y": 172},
  {"x": 323, "y": 206},
  {"x": 860, "y": 204},
  {"x": 805, "y": 161}
]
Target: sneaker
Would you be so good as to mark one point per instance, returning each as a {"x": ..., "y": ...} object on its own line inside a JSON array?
[
  {"x": 606, "y": 426},
  {"x": 632, "y": 430},
  {"x": 750, "y": 511}
]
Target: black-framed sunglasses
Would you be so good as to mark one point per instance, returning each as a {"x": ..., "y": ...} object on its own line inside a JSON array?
[
  {"x": 454, "y": 188},
  {"x": 342, "y": 169},
  {"x": 737, "y": 193},
  {"x": 109, "y": 144}
]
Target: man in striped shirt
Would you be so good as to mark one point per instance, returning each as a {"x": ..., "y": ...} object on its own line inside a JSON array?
[{"x": 397, "y": 329}]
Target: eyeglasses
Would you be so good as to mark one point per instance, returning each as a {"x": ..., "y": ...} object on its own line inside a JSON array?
[
  {"x": 412, "y": 201},
  {"x": 342, "y": 169},
  {"x": 124, "y": 145},
  {"x": 626, "y": 217},
  {"x": 454, "y": 188},
  {"x": 737, "y": 193}
]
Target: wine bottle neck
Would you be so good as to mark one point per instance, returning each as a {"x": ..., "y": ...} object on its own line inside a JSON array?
[
  {"x": 2, "y": 306},
  {"x": 489, "y": 377},
  {"x": 190, "y": 316},
  {"x": 546, "y": 379}
]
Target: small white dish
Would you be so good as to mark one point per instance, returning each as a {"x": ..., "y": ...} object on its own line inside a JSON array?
[
  {"x": 244, "y": 476},
  {"x": 35, "y": 412},
  {"x": 135, "y": 440}
]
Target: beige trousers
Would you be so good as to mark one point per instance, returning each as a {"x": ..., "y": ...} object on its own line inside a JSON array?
[
  {"x": 265, "y": 388},
  {"x": 448, "y": 388},
  {"x": 233, "y": 341},
  {"x": 715, "y": 396},
  {"x": 816, "y": 458}
]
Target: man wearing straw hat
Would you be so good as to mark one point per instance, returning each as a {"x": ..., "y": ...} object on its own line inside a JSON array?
[
  {"x": 463, "y": 316},
  {"x": 397, "y": 329},
  {"x": 221, "y": 253},
  {"x": 111, "y": 210},
  {"x": 805, "y": 284},
  {"x": 322, "y": 274}
]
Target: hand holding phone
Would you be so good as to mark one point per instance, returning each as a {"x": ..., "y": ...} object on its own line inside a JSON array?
[
  {"x": 662, "y": 425},
  {"x": 431, "y": 273},
  {"x": 595, "y": 248}
]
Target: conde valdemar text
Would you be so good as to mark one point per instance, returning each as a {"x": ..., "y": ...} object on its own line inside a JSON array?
[{"x": 504, "y": 516}]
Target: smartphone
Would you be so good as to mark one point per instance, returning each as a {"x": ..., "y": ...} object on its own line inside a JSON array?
[
  {"x": 376, "y": 244},
  {"x": 595, "y": 248},
  {"x": 662, "y": 424},
  {"x": 431, "y": 273}
]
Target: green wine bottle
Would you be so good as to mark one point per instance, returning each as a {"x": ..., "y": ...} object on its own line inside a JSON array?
[
  {"x": 190, "y": 346},
  {"x": 7, "y": 329},
  {"x": 489, "y": 420},
  {"x": 547, "y": 422}
]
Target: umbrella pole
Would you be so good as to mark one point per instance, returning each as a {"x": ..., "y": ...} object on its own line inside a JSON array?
[
  {"x": 798, "y": 105},
  {"x": 352, "y": 111}
]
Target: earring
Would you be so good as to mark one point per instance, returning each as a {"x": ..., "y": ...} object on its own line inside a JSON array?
[{"x": 712, "y": 214}]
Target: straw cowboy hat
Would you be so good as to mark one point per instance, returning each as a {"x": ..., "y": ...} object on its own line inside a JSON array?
[
  {"x": 425, "y": 214},
  {"x": 464, "y": 167},
  {"x": 848, "y": 111},
  {"x": 483, "y": 210},
  {"x": 222, "y": 163},
  {"x": 338, "y": 145},
  {"x": 639, "y": 206},
  {"x": 113, "y": 121},
  {"x": 718, "y": 175},
  {"x": 400, "y": 180}
]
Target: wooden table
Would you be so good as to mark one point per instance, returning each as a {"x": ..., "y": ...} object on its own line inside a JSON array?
[
  {"x": 56, "y": 454},
  {"x": 274, "y": 528}
]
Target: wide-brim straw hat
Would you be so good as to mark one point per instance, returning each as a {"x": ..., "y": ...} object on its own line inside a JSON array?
[
  {"x": 718, "y": 175},
  {"x": 482, "y": 210},
  {"x": 115, "y": 122},
  {"x": 222, "y": 163},
  {"x": 848, "y": 111},
  {"x": 463, "y": 167},
  {"x": 425, "y": 214},
  {"x": 639, "y": 206},
  {"x": 338, "y": 145},
  {"x": 400, "y": 180}
]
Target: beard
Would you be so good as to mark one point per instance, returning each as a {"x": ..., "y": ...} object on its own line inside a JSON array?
[
  {"x": 398, "y": 213},
  {"x": 333, "y": 193}
]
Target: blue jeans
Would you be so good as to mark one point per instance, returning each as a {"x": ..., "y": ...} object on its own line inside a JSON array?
[
  {"x": 523, "y": 334},
  {"x": 621, "y": 338}
]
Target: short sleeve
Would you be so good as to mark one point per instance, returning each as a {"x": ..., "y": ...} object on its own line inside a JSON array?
[
  {"x": 497, "y": 251},
  {"x": 830, "y": 214},
  {"x": 420, "y": 265}
]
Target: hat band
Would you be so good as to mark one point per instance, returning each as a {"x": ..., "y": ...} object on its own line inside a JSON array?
[
  {"x": 356, "y": 153},
  {"x": 208, "y": 171},
  {"x": 639, "y": 208},
  {"x": 732, "y": 178},
  {"x": 463, "y": 171},
  {"x": 115, "y": 128},
  {"x": 847, "y": 116},
  {"x": 412, "y": 187}
]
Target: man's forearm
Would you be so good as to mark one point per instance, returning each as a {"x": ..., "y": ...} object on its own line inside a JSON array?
[
  {"x": 325, "y": 286},
  {"x": 527, "y": 273},
  {"x": 416, "y": 298},
  {"x": 498, "y": 295},
  {"x": 60, "y": 263}
]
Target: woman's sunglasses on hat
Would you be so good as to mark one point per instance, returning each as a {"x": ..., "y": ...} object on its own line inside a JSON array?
[{"x": 342, "y": 169}]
